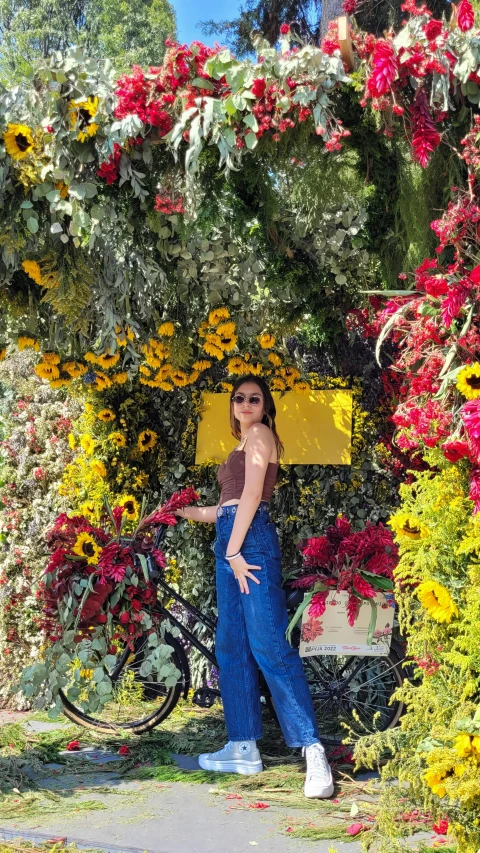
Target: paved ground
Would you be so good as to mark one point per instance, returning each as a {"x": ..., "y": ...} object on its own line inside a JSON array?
[{"x": 175, "y": 817}]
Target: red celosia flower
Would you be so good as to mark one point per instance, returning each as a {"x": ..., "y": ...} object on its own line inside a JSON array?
[
  {"x": 465, "y": 16},
  {"x": 124, "y": 750},
  {"x": 117, "y": 513},
  {"x": 258, "y": 87},
  {"x": 425, "y": 136},
  {"x": 384, "y": 69},
  {"x": 317, "y": 551},
  {"x": 349, "y": 7},
  {"x": 318, "y": 604},
  {"x": 455, "y": 450},
  {"x": 73, "y": 746},
  {"x": 453, "y": 303},
  {"x": 363, "y": 587},
  {"x": 353, "y": 607},
  {"x": 474, "y": 275}
]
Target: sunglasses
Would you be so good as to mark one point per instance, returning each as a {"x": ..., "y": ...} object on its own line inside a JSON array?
[{"x": 254, "y": 399}]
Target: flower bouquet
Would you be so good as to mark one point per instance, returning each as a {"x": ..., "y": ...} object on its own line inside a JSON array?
[
  {"x": 360, "y": 564},
  {"x": 96, "y": 596}
]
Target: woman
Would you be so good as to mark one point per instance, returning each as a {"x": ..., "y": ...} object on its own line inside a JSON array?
[{"x": 252, "y": 615}]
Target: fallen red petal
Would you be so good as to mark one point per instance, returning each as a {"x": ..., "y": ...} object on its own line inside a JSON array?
[{"x": 354, "y": 828}]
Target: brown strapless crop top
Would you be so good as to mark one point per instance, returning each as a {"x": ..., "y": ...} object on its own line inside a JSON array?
[{"x": 231, "y": 478}]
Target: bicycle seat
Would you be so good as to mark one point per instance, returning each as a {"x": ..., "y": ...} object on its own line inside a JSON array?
[{"x": 294, "y": 596}]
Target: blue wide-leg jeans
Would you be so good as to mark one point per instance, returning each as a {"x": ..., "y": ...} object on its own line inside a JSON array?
[{"x": 251, "y": 635}]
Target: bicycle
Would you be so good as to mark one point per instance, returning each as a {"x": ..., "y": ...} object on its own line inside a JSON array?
[{"x": 345, "y": 689}]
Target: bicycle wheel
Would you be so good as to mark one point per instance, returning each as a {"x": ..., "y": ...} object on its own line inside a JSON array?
[
  {"x": 354, "y": 692},
  {"x": 138, "y": 703}
]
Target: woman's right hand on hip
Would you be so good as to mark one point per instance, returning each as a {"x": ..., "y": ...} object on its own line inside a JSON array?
[{"x": 242, "y": 570}]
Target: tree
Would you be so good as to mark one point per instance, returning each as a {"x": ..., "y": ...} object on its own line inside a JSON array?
[{"x": 125, "y": 32}]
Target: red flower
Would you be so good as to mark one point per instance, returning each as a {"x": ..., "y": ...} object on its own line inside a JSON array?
[
  {"x": 363, "y": 587},
  {"x": 455, "y": 450},
  {"x": 73, "y": 746},
  {"x": 454, "y": 302},
  {"x": 441, "y": 828},
  {"x": 425, "y": 135},
  {"x": 285, "y": 29},
  {"x": 349, "y": 7},
  {"x": 258, "y": 87},
  {"x": 353, "y": 607},
  {"x": 474, "y": 275},
  {"x": 433, "y": 29},
  {"x": 384, "y": 69},
  {"x": 317, "y": 551},
  {"x": 318, "y": 604},
  {"x": 465, "y": 16},
  {"x": 124, "y": 617},
  {"x": 355, "y": 828},
  {"x": 102, "y": 618},
  {"x": 124, "y": 750}
]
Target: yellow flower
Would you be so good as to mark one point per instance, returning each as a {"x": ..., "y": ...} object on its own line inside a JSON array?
[
  {"x": 18, "y": 140},
  {"x": 98, "y": 467},
  {"x": 118, "y": 439},
  {"x": 106, "y": 415},
  {"x": 82, "y": 113},
  {"x": 101, "y": 381},
  {"x": 290, "y": 374},
  {"x": 87, "y": 444},
  {"x": 274, "y": 359},
  {"x": 27, "y": 342},
  {"x": 407, "y": 526},
  {"x": 227, "y": 386},
  {"x": 256, "y": 368},
  {"x": 463, "y": 745},
  {"x": 62, "y": 187},
  {"x": 145, "y": 370},
  {"x": 47, "y": 371},
  {"x": 225, "y": 329},
  {"x": 435, "y": 781},
  {"x": 131, "y": 506},
  {"x": 468, "y": 381},
  {"x": 59, "y": 383},
  {"x": 218, "y": 314},
  {"x": 237, "y": 365},
  {"x": 277, "y": 384},
  {"x": 167, "y": 329},
  {"x": 3, "y": 353},
  {"x": 85, "y": 546},
  {"x": 147, "y": 440},
  {"x": 108, "y": 359},
  {"x": 227, "y": 336},
  {"x": 140, "y": 481},
  {"x": 267, "y": 341},
  {"x": 71, "y": 441},
  {"x": 152, "y": 359},
  {"x": 88, "y": 508},
  {"x": 74, "y": 368},
  {"x": 90, "y": 357},
  {"x": 201, "y": 365},
  {"x": 213, "y": 350},
  {"x": 437, "y": 601},
  {"x": 165, "y": 386},
  {"x": 32, "y": 268},
  {"x": 120, "y": 378},
  {"x": 301, "y": 387},
  {"x": 193, "y": 377},
  {"x": 51, "y": 357},
  {"x": 179, "y": 378},
  {"x": 202, "y": 329},
  {"x": 163, "y": 373}
]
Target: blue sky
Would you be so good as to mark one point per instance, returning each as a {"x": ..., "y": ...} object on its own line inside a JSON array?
[{"x": 190, "y": 12}]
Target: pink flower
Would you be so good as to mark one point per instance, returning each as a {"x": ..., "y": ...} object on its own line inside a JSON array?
[
  {"x": 363, "y": 587},
  {"x": 465, "y": 16},
  {"x": 384, "y": 69},
  {"x": 258, "y": 87},
  {"x": 425, "y": 135},
  {"x": 453, "y": 303},
  {"x": 471, "y": 418},
  {"x": 433, "y": 29}
]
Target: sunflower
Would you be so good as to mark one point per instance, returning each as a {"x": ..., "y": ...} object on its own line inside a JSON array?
[
  {"x": 3, "y": 353},
  {"x": 301, "y": 387},
  {"x": 74, "y": 368},
  {"x": 202, "y": 329},
  {"x": 88, "y": 508},
  {"x": 87, "y": 444},
  {"x": 165, "y": 386},
  {"x": 201, "y": 364},
  {"x": 145, "y": 370},
  {"x": 62, "y": 188},
  {"x": 167, "y": 329},
  {"x": 274, "y": 359},
  {"x": 226, "y": 386},
  {"x": 108, "y": 359},
  {"x": 468, "y": 381},
  {"x": 32, "y": 268},
  {"x": 152, "y": 359},
  {"x": 71, "y": 441},
  {"x": 124, "y": 335},
  {"x": 217, "y": 315},
  {"x": 437, "y": 601},
  {"x": 102, "y": 381},
  {"x": 179, "y": 378},
  {"x": 435, "y": 781},
  {"x": 98, "y": 467},
  {"x": 290, "y": 374},
  {"x": 267, "y": 341},
  {"x": 18, "y": 141},
  {"x": 85, "y": 546},
  {"x": 193, "y": 377},
  {"x": 130, "y": 504},
  {"x": 47, "y": 371},
  {"x": 51, "y": 357},
  {"x": 147, "y": 440},
  {"x": 90, "y": 357},
  {"x": 163, "y": 373},
  {"x": 228, "y": 338},
  {"x": 140, "y": 481},
  {"x": 118, "y": 439},
  {"x": 82, "y": 113},
  {"x": 228, "y": 342},
  {"x": 27, "y": 342},
  {"x": 407, "y": 526},
  {"x": 59, "y": 383},
  {"x": 120, "y": 378},
  {"x": 161, "y": 350},
  {"x": 213, "y": 350},
  {"x": 106, "y": 415},
  {"x": 277, "y": 384},
  {"x": 255, "y": 368},
  {"x": 237, "y": 365}
]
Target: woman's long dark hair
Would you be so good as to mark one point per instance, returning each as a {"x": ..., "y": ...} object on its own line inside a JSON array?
[{"x": 269, "y": 405}]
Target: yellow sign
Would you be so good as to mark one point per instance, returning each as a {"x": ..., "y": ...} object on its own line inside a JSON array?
[{"x": 316, "y": 428}]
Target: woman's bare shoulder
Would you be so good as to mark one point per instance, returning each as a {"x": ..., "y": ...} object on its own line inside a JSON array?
[{"x": 262, "y": 432}]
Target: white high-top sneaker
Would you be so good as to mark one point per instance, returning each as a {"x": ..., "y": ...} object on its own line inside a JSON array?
[
  {"x": 319, "y": 779},
  {"x": 240, "y": 756}
]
